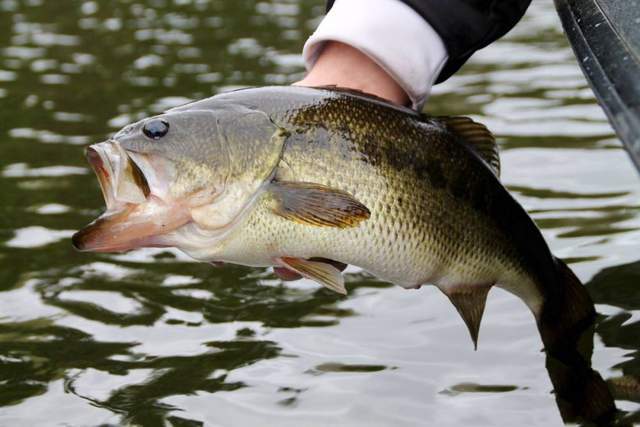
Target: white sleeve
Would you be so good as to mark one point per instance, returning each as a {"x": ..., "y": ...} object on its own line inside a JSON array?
[{"x": 390, "y": 33}]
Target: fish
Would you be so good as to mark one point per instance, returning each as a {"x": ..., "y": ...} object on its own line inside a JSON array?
[
  {"x": 309, "y": 180},
  {"x": 292, "y": 177}
]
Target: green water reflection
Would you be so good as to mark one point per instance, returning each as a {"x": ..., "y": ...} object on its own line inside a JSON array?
[{"x": 151, "y": 338}]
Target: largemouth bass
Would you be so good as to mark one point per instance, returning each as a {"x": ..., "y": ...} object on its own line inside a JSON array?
[
  {"x": 308, "y": 179},
  {"x": 290, "y": 176}
]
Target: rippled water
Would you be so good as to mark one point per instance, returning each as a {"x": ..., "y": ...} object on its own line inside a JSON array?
[{"x": 150, "y": 337}]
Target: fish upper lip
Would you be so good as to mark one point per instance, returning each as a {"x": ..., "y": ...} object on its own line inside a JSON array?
[
  {"x": 117, "y": 172},
  {"x": 104, "y": 172}
]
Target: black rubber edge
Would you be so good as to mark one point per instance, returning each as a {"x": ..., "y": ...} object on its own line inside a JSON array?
[{"x": 611, "y": 65}]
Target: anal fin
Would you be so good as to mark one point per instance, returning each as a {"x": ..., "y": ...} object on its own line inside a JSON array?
[
  {"x": 325, "y": 274},
  {"x": 470, "y": 301},
  {"x": 287, "y": 275}
]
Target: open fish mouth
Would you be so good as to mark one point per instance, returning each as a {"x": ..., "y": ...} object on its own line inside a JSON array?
[
  {"x": 134, "y": 216},
  {"x": 121, "y": 179}
]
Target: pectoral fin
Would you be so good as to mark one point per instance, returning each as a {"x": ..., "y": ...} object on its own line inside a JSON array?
[
  {"x": 316, "y": 204},
  {"x": 470, "y": 301},
  {"x": 325, "y": 274}
]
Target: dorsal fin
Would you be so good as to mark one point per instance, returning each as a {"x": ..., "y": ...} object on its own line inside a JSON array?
[{"x": 477, "y": 136}]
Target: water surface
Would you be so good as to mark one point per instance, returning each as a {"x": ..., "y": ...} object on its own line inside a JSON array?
[{"x": 151, "y": 338}]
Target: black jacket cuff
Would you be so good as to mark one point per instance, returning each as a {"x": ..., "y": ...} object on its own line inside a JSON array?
[{"x": 466, "y": 26}]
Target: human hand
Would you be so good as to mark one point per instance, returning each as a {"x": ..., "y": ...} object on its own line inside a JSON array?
[{"x": 344, "y": 66}]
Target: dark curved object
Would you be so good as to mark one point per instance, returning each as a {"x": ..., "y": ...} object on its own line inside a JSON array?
[{"x": 605, "y": 36}]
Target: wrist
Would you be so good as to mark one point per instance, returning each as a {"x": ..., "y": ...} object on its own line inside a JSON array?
[{"x": 339, "y": 64}]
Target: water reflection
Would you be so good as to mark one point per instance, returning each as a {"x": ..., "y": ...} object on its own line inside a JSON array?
[
  {"x": 45, "y": 352},
  {"x": 145, "y": 297},
  {"x": 37, "y": 352},
  {"x": 580, "y": 392},
  {"x": 617, "y": 286},
  {"x": 132, "y": 337},
  {"x": 141, "y": 403}
]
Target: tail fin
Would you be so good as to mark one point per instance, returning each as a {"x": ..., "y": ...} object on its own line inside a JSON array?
[
  {"x": 567, "y": 311},
  {"x": 566, "y": 324}
]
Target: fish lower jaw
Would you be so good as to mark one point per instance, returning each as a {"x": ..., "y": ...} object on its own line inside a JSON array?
[{"x": 133, "y": 226}]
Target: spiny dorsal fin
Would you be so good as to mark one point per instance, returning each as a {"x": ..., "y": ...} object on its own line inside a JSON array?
[
  {"x": 316, "y": 204},
  {"x": 325, "y": 274},
  {"x": 478, "y": 137}
]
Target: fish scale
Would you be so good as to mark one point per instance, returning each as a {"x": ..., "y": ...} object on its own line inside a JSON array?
[
  {"x": 300, "y": 178},
  {"x": 428, "y": 235},
  {"x": 308, "y": 180}
]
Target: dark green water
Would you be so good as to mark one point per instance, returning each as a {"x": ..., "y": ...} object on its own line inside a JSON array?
[{"x": 151, "y": 338}]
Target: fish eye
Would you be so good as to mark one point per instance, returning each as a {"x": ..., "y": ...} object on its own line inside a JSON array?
[{"x": 156, "y": 129}]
